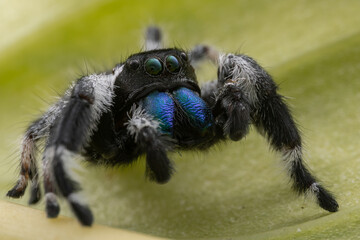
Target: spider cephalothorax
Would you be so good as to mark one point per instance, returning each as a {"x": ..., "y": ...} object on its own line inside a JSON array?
[{"x": 151, "y": 104}]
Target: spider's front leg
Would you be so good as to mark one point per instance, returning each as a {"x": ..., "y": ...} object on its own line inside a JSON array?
[
  {"x": 271, "y": 116},
  {"x": 231, "y": 109},
  {"x": 230, "y": 105},
  {"x": 144, "y": 129},
  {"x": 89, "y": 99}
]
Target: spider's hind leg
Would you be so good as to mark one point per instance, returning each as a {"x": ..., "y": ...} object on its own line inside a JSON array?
[
  {"x": 202, "y": 52},
  {"x": 153, "y": 38},
  {"x": 28, "y": 167},
  {"x": 39, "y": 129}
]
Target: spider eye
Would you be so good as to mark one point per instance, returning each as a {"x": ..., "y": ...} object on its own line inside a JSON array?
[
  {"x": 134, "y": 64},
  {"x": 172, "y": 64},
  {"x": 184, "y": 56},
  {"x": 153, "y": 66}
]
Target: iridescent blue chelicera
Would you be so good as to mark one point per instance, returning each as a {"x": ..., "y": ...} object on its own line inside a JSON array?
[
  {"x": 161, "y": 106},
  {"x": 196, "y": 109}
]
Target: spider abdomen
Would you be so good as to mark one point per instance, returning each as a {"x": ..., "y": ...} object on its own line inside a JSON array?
[{"x": 180, "y": 113}]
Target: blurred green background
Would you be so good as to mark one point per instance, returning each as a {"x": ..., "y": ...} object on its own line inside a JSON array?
[{"x": 237, "y": 190}]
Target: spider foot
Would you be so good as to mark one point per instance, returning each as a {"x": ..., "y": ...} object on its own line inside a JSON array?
[
  {"x": 324, "y": 198},
  {"x": 82, "y": 211},
  {"x": 52, "y": 205},
  {"x": 18, "y": 190},
  {"x": 35, "y": 194}
]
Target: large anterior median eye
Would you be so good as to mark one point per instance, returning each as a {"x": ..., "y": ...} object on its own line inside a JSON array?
[
  {"x": 172, "y": 64},
  {"x": 153, "y": 66}
]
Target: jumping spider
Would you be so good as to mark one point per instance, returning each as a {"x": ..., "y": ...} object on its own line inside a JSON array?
[{"x": 151, "y": 104}]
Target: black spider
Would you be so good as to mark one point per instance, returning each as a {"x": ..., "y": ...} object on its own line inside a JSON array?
[{"x": 151, "y": 104}]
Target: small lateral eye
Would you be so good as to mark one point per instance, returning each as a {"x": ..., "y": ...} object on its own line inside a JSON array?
[
  {"x": 172, "y": 64},
  {"x": 134, "y": 64},
  {"x": 153, "y": 66},
  {"x": 184, "y": 56}
]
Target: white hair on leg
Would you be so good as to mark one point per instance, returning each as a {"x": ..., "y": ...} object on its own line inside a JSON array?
[
  {"x": 243, "y": 74},
  {"x": 291, "y": 156},
  {"x": 139, "y": 119}
]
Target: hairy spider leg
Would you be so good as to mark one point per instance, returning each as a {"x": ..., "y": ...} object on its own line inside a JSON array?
[
  {"x": 90, "y": 98},
  {"x": 232, "y": 112},
  {"x": 272, "y": 117},
  {"x": 52, "y": 206},
  {"x": 230, "y": 106},
  {"x": 28, "y": 167},
  {"x": 68, "y": 136},
  {"x": 202, "y": 52},
  {"x": 147, "y": 134},
  {"x": 231, "y": 109}
]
